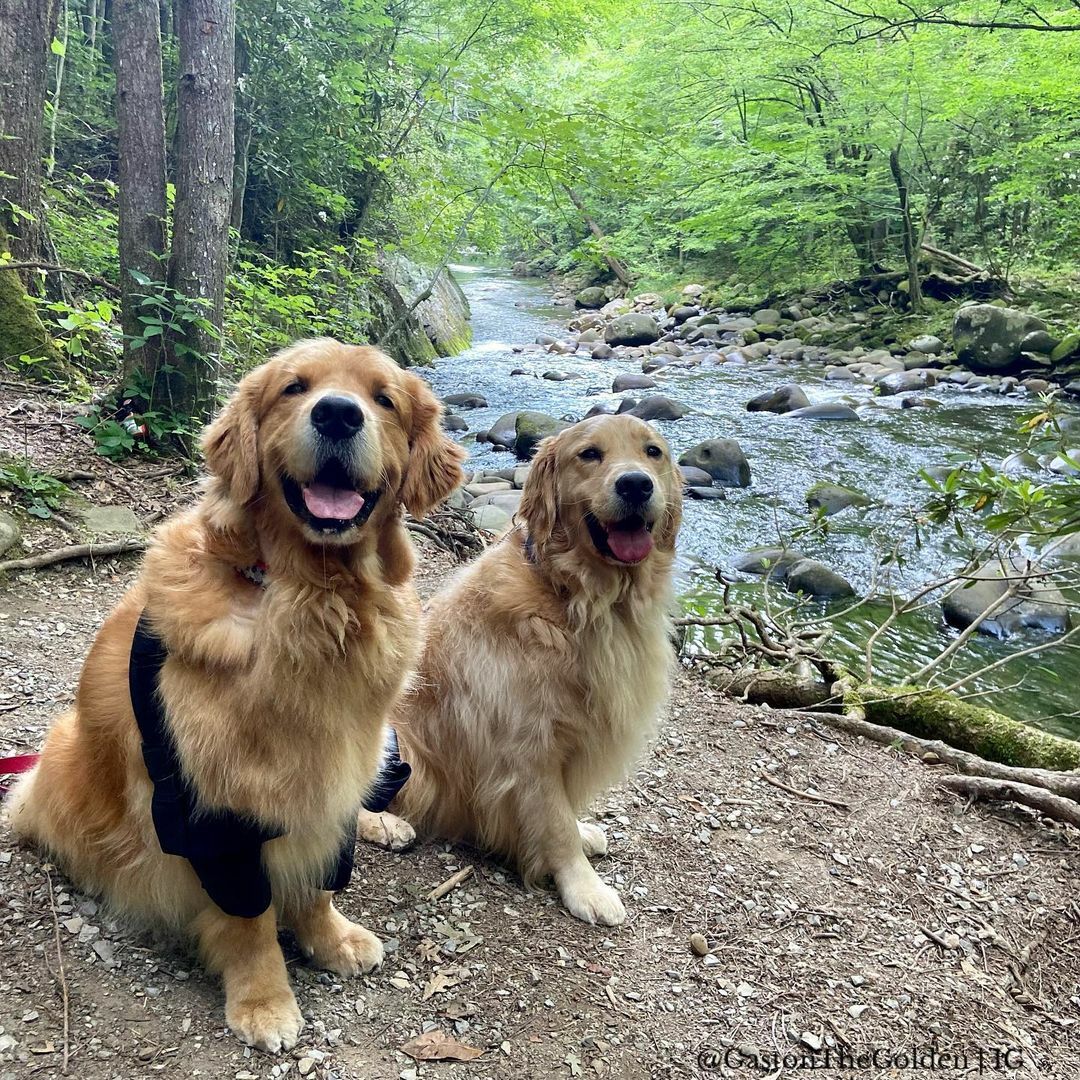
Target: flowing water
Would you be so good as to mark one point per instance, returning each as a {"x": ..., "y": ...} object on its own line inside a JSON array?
[{"x": 881, "y": 455}]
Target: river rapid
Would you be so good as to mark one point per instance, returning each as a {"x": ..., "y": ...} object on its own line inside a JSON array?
[{"x": 880, "y": 455}]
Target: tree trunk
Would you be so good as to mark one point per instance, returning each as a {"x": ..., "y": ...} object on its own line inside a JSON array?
[
  {"x": 911, "y": 242},
  {"x": 140, "y": 115},
  {"x": 242, "y": 135},
  {"x": 205, "y": 31},
  {"x": 21, "y": 331},
  {"x": 617, "y": 268},
  {"x": 26, "y": 33}
]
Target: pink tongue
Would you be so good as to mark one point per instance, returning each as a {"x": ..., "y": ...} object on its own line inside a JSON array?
[
  {"x": 629, "y": 545},
  {"x": 325, "y": 501}
]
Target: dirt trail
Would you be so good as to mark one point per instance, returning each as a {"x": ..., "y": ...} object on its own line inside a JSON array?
[{"x": 902, "y": 921}]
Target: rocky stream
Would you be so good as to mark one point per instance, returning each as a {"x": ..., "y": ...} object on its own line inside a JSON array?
[{"x": 850, "y": 434}]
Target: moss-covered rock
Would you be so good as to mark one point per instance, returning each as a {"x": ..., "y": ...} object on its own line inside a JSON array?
[{"x": 1067, "y": 349}]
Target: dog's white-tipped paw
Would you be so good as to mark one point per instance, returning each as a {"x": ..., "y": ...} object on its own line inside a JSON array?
[
  {"x": 272, "y": 1024},
  {"x": 589, "y": 899},
  {"x": 593, "y": 839},
  {"x": 386, "y": 831}
]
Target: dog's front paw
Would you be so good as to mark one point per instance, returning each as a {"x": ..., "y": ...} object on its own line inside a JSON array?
[
  {"x": 589, "y": 899},
  {"x": 593, "y": 839},
  {"x": 386, "y": 830},
  {"x": 351, "y": 950},
  {"x": 267, "y": 1023}
]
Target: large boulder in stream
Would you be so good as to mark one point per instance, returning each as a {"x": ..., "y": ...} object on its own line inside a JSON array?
[
  {"x": 989, "y": 338},
  {"x": 782, "y": 400},
  {"x": 530, "y": 428},
  {"x": 722, "y": 459},
  {"x": 634, "y": 328},
  {"x": 1036, "y": 605},
  {"x": 592, "y": 298}
]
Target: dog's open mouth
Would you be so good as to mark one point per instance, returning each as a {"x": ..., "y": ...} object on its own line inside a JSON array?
[
  {"x": 329, "y": 502},
  {"x": 626, "y": 541}
]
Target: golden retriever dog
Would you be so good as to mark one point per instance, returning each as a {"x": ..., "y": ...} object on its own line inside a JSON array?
[
  {"x": 546, "y": 663},
  {"x": 281, "y": 618}
]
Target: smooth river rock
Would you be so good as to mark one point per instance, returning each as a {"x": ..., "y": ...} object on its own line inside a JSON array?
[
  {"x": 817, "y": 580},
  {"x": 826, "y": 410},
  {"x": 722, "y": 459},
  {"x": 466, "y": 401},
  {"x": 773, "y": 562},
  {"x": 632, "y": 381},
  {"x": 782, "y": 400},
  {"x": 530, "y": 427},
  {"x": 1037, "y": 604},
  {"x": 634, "y": 328},
  {"x": 659, "y": 407},
  {"x": 832, "y": 498}
]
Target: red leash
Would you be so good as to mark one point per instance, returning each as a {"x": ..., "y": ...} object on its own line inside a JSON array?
[{"x": 12, "y": 766}]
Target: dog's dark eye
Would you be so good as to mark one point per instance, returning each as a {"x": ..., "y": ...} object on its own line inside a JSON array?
[
  {"x": 297, "y": 386},
  {"x": 653, "y": 450},
  {"x": 384, "y": 401},
  {"x": 591, "y": 453}
]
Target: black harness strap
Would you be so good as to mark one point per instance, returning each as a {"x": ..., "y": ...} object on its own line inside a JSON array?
[{"x": 223, "y": 847}]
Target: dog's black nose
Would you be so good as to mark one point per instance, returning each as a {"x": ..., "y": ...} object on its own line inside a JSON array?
[
  {"x": 337, "y": 417},
  {"x": 634, "y": 488}
]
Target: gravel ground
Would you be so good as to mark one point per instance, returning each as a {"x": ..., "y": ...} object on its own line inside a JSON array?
[{"x": 890, "y": 919}]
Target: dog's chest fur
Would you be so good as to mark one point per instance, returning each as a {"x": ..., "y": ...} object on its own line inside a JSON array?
[{"x": 306, "y": 718}]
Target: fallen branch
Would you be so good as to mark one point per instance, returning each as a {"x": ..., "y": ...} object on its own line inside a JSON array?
[
  {"x": 1037, "y": 798},
  {"x": 933, "y": 751},
  {"x": 949, "y": 257},
  {"x": 75, "y": 551},
  {"x": 53, "y": 268},
  {"x": 809, "y": 795}
]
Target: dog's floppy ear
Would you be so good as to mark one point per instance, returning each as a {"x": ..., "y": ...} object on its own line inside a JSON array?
[
  {"x": 434, "y": 468},
  {"x": 231, "y": 443},
  {"x": 539, "y": 507}
]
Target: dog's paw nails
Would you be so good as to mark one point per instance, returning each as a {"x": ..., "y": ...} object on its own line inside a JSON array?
[
  {"x": 357, "y": 952},
  {"x": 594, "y": 903},
  {"x": 270, "y": 1024},
  {"x": 593, "y": 839},
  {"x": 387, "y": 831}
]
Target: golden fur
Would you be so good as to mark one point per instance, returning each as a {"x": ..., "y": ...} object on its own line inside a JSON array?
[
  {"x": 541, "y": 678},
  {"x": 276, "y": 697}
]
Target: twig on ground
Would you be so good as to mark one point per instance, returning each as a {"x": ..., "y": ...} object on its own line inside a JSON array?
[
  {"x": 803, "y": 794},
  {"x": 451, "y": 883},
  {"x": 62, "y": 975},
  {"x": 75, "y": 551}
]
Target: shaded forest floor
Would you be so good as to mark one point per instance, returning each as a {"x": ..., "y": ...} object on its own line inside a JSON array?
[{"x": 896, "y": 921}]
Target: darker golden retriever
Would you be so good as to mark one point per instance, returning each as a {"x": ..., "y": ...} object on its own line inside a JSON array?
[
  {"x": 281, "y": 619},
  {"x": 546, "y": 663}
]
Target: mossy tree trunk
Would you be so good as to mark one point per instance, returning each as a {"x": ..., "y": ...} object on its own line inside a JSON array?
[
  {"x": 918, "y": 711},
  {"x": 22, "y": 332}
]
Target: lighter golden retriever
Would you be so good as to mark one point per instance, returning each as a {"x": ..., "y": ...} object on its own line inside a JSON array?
[
  {"x": 546, "y": 663},
  {"x": 276, "y": 683}
]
